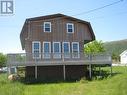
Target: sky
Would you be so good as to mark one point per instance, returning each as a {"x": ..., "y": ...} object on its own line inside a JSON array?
[{"x": 108, "y": 23}]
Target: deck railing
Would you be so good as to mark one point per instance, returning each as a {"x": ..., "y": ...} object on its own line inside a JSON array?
[{"x": 36, "y": 59}]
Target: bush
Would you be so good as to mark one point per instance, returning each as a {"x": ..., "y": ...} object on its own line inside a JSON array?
[{"x": 3, "y": 59}]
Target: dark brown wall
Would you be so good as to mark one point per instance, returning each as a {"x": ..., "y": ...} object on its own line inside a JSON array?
[
  {"x": 73, "y": 72},
  {"x": 30, "y": 72},
  {"x": 50, "y": 72},
  {"x": 45, "y": 72}
]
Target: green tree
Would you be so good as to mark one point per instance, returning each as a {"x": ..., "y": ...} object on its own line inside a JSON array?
[
  {"x": 115, "y": 57},
  {"x": 3, "y": 59},
  {"x": 94, "y": 47}
]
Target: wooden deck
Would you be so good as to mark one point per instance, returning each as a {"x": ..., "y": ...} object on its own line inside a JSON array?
[{"x": 25, "y": 59}]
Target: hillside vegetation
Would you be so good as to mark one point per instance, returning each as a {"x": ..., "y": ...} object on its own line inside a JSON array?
[{"x": 116, "y": 47}]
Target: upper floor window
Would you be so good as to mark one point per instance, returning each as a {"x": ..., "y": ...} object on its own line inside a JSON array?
[
  {"x": 70, "y": 28},
  {"x": 47, "y": 26}
]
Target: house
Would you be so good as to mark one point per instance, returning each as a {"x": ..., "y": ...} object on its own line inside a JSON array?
[
  {"x": 123, "y": 57},
  {"x": 54, "y": 47}
]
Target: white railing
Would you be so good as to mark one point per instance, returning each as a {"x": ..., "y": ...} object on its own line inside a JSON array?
[{"x": 29, "y": 59}]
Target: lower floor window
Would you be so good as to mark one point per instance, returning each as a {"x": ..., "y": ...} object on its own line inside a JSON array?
[
  {"x": 36, "y": 49},
  {"x": 75, "y": 49},
  {"x": 58, "y": 49},
  {"x": 66, "y": 49},
  {"x": 46, "y": 50}
]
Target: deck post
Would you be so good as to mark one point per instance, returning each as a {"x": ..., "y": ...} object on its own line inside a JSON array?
[
  {"x": 64, "y": 72},
  {"x": 35, "y": 72},
  {"x": 90, "y": 74},
  {"x": 99, "y": 70},
  {"x": 90, "y": 68},
  {"x": 35, "y": 69}
]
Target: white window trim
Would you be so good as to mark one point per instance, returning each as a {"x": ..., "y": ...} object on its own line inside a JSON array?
[
  {"x": 39, "y": 49},
  {"x": 50, "y": 26},
  {"x": 73, "y": 50},
  {"x": 72, "y": 27},
  {"x": 49, "y": 49},
  {"x": 59, "y": 47}
]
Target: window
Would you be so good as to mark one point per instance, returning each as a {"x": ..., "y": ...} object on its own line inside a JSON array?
[
  {"x": 36, "y": 49},
  {"x": 66, "y": 49},
  {"x": 75, "y": 49},
  {"x": 47, "y": 26},
  {"x": 70, "y": 28},
  {"x": 56, "y": 50},
  {"x": 46, "y": 49}
]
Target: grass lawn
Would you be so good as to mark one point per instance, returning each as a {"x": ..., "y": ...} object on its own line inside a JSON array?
[{"x": 115, "y": 85}]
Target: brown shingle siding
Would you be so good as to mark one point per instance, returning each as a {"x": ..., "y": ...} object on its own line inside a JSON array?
[{"x": 34, "y": 29}]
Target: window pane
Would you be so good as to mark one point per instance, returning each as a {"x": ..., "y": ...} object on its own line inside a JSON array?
[
  {"x": 56, "y": 47},
  {"x": 56, "y": 50},
  {"x": 36, "y": 50},
  {"x": 75, "y": 46},
  {"x": 75, "y": 50},
  {"x": 47, "y": 25},
  {"x": 69, "y": 26},
  {"x": 47, "y": 29},
  {"x": 46, "y": 47},
  {"x": 46, "y": 50},
  {"x": 36, "y": 45},
  {"x": 36, "y": 53},
  {"x": 66, "y": 47},
  {"x": 66, "y": 50},
  {"x": 70, "y": 30}
]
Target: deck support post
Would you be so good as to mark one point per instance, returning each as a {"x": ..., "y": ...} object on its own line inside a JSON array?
[
  {"x": 90, "y": 67},
  {"x": 35, "y": 69},
  {"x": 35, "y": 72},
  {"x": 99, "y": 70},
  {"x": 90, "y": 74},
  {"x": 64, "y": 72}
]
